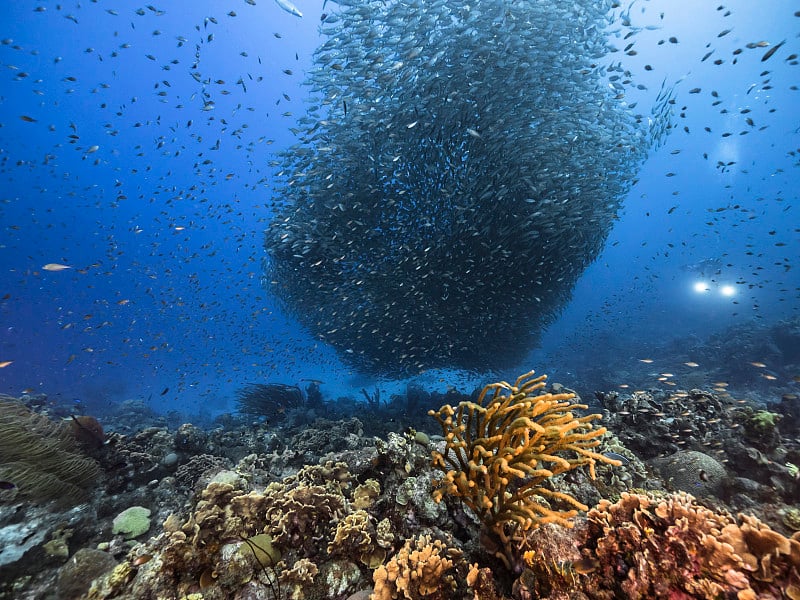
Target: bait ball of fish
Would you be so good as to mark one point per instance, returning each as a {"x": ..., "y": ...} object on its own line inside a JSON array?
[{"x": 459, "y": 168}]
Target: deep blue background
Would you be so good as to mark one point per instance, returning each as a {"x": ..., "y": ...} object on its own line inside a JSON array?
[{"x": 149, "y": 306}]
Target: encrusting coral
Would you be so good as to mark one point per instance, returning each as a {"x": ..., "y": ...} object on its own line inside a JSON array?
[{"x": 501, "y": 448}]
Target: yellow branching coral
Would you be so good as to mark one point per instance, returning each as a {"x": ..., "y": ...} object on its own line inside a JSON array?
[{"x": 500, "y": 449}]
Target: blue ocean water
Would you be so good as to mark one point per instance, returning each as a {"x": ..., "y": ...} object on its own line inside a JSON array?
[{"x": 154, "y": 187}]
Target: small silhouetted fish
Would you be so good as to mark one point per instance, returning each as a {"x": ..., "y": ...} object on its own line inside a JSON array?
[
  {"x": 7, "y": 485},
  {"x": 768, "y": 54},
  {"x": 166, "y": 389},
  {"x": 616, "y": 456}
]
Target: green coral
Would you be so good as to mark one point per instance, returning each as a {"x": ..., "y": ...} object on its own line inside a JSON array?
[
  {"x": 764, "y": 420},
  {"x": 132, "y": 522}
]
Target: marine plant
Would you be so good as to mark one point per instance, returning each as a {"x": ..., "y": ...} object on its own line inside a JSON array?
[
  {"x": 41, "y": 458},
  {"x": 500, "y": 450}
]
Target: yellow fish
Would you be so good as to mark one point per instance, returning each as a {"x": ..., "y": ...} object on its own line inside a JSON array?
[{"x": 5, "y": 363}]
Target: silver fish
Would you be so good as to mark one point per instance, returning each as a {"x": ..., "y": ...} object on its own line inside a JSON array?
[{"x": 289, "y": 7}]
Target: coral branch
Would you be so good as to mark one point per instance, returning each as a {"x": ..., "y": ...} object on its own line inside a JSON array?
[{"x": 500, "y": 449}]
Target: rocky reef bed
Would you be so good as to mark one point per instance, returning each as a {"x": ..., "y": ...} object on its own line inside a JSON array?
[{"x": 695, "y": 495}]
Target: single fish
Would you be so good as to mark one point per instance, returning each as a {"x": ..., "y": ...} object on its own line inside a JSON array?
[
  {"x": 289, "y": 7},
  {"x": 616, "y": 456},
  {"x": 768, "y": 54},
  {"x": 55, "y": 267}
]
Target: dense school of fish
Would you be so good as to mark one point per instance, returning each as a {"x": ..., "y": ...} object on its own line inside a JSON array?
[
  {"x": 134, "y": 160},
  {"x": 460, "y": 166}
]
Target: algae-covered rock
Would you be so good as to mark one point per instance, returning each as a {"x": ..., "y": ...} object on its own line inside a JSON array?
[{"x": 76, "y": 575}]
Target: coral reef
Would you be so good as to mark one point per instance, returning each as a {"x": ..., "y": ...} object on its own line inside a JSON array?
[
  {"x": 273, "y": 539},
  {"x": 500, "y": 449},
  {"x": 658, "y": 423},
  {"x": 319, "y": 509}
]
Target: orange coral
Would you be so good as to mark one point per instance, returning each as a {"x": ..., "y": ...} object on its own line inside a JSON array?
[
  {"x": 500, "y": 449},
  {"x": 418, "y": 570}
]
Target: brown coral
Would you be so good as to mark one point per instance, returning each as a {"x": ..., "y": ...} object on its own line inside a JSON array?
[
  {"x": 299, "y": 577},
  {"x": 650, "y": 547},
  {"x": 356, "y": 536},
  {"x": 501, "y": 448},
  {"x": 301, "y": 516}
]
